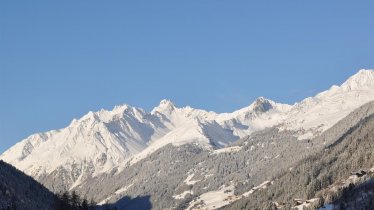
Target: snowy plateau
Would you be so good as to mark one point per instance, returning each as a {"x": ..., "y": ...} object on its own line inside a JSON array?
[{"x": 100, "y": 141}]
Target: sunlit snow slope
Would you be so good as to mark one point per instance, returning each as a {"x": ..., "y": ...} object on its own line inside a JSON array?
[{"x": 316, "y": 114}]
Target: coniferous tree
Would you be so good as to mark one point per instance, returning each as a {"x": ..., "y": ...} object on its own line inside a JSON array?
[
  {"x": 84, "y": 204},
  {"x": 74, "y": 200}
]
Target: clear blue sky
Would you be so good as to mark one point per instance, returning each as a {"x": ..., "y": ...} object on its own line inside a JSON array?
[{"x": 61, "y": 59}]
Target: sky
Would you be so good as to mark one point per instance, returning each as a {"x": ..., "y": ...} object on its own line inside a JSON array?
[{"x": 62, "y": 59}]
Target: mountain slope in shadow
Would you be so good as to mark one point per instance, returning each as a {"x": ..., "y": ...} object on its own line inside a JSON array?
[{"x": 19, "y": 191}]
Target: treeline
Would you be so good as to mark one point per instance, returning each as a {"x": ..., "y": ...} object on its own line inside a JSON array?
[{"x": 72, "y": 201}]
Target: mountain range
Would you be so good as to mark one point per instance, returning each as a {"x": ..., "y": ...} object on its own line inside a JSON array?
[{"x": 182, "y": 157}]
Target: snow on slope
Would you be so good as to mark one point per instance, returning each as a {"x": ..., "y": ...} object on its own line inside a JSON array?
[
  {"x": 308, "y": 118},
  {"x": 118, "y": 192},
  {"x": 316, "y": 114},
  {"x": 214, "y": 199},
  {"x": 262, "y": 113},
  {"x": 227, "y": 149},
  {"x": 224, "y": 196},
  {"x": 183, "y": 195},
  {"x": 209, "y": 129},
  {"x": 102, "y": 140}
]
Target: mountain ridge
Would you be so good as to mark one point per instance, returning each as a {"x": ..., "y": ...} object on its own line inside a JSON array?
[{"x": 100, "y": 141}]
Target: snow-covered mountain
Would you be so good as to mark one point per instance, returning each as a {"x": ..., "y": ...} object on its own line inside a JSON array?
[
  {"x": 316, "y": 114},
  {"x": 103, "y": 140}
]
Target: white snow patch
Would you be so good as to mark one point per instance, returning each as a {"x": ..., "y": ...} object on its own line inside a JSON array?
[
  {"x": 227, "y": 149},
  {"x": 307, "y": 135},
  {"x": 188, "y": 180},
  {"x": 183, "y": 194},
  {"x": 124, "y": 189},
  {"x": 263, "y": 185},
  {"x": 118, "y": 192},
  {"x": 77, "y": 182},
  {"x": 208, "y": 175},
  {"x": 214, "y": 199},
  {"x": 105, "y": 201}
]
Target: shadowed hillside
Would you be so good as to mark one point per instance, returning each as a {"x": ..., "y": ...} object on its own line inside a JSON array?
[{"x": 19, "y": 191}]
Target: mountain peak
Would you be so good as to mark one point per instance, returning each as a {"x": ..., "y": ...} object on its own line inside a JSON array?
[
  {"x": 90, "y": 116},
  {"x": 262, "y": 104},
  {"x": 261, "y": 99},
  {"x": 165, "y": 106},
  {"x": 365, "y": 72},
  {"x": 166, "y": 102},
  {"x": 364, "y": 78},
  {"x": 121, "y": 108}
]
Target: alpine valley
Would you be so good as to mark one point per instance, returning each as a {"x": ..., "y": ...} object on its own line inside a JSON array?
[{"x": 315, "y": 154}]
